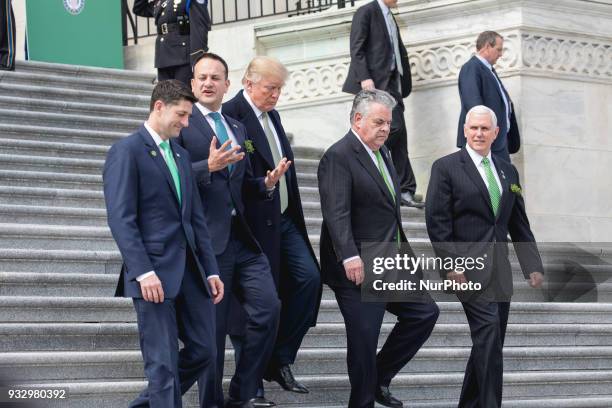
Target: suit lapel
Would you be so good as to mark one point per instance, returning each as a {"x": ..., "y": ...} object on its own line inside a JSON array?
[
  {"x": 366, "y": 161},
  {"x": 505, "y": 188},
  {"x": 378, "y": 13},
  {"x": 394, "y": 179},
  {"x": 472, "y": 172},
  {"x": 180, "y": 165},
  {"x": 240, "y": 140},
  {"x": 157, "y": 157}
]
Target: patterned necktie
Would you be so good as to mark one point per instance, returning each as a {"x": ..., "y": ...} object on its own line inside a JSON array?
[
  {"x": 276, "y": 156},
  {"x": 381, "y": 169},
  {"x": 221, "y": 133},
  {"x": 494, "y": 193},
  {"x": 165, "y": 146},
  {"x": 395, "y": 41}
]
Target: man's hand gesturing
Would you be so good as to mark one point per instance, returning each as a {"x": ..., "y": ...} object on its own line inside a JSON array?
[
  {"x": 220, "y": 158},
  {"x": 273, "y": 176}
]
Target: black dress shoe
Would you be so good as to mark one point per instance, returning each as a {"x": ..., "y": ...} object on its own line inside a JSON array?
[
  {"x": 408, "y": 201},
  {"x": 262, "y": 402},
  {"x": 284, "y": 377},
  {"x": 384, "y": 397}
]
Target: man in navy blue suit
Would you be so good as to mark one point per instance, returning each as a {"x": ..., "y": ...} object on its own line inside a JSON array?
[
  {"x": 278, "y": 224},
  {"x": 169, "y": 268},
  {"x": 480, "y": 85},
  {"x": 222, "y": 172}
]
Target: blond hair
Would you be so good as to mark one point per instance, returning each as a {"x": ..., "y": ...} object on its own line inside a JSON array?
[{"x": 264, "y": 67}]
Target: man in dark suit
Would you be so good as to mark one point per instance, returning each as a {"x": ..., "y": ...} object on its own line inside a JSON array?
[
  {"x": 474, "y": 201},
  {"x": 7, "y": 36},
  {"x": 223, "y": 173},
  {"x": 169, "y": 268},
  {"x": 359, "y": 200},
  {"x": 379, "y": 61},
  {"x": 480, "y": 85},
  {"x": 182, "y": 34},
  {"x": 279, "y": 223}
]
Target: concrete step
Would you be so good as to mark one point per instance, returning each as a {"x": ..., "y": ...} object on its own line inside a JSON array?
[
  {"x": 37, "y": 214},
  {"x": 52, "y": 179},
  {"x": 72, "y": 107},
  {"x": 424, "y": 389},
  {"x": 57, "y": 197},
  {"x": 109, "y": 309},
  {"x": 121, "y": 86},
  {"x": 124, "y": 365},
  {"x": 58, "y": 285},
  {"x": 52, "y": 149},
  {"x": 75, "y": 95},
  {"x": 123, "y": 336},
  {"x": 71, "y": 121},
  {"x": 87, "y": 72},
  {"x": 50, "y": 164},
  {"x": 58, "y": 261},
  {"x": 97, "y": 138},
  {"x": 306, "y": 152},
  {"x": 56, "y": 237}
]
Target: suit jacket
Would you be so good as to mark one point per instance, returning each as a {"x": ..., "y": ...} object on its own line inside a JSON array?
[
  {"x": 152, "y": 230},
  {"x": 176, "y": 48},
  {"x": 371, "y": 52},
  {"x": 459, "y": 211},
  {"x": 221, "y": 191},
  {"x": 357, "y": 206},
  {"x": 264, "y": 216},
  {"x": 477, "y": 86}
]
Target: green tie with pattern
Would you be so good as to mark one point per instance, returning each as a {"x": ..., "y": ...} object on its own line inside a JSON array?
[
  {"x": 494, "y": 193},
  {"x": 381, "y": 169},
  {"x": 165, "y": 146}
]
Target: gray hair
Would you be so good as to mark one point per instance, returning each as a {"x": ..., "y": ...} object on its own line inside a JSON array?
[
  {"x": 363, "y": 100},
  {"x": 482, "y": 110},
  {"x": 487, "y": 37}
]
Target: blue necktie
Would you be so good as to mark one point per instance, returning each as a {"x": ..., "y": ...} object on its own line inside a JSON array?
[{"x": 221, "y": 132}]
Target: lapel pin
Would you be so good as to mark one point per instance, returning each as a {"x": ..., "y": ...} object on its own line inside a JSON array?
[
  {"x": 235, "y": 126},
  {"x": 502, "y": 174},
  {"x": 153, "y": 153},
  {"x": 178, "y": 155}
]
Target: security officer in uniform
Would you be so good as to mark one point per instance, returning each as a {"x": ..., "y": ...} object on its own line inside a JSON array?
[
  {"x": 7, "y": 36},
  {"x": 182, "y": 34}
]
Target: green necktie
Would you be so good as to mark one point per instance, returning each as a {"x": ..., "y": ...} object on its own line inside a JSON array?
[
  {"x": 276, "y": 156},
  {"x": 494, "y": 193},
  {"x": 165, "y": 146},
  {"x": 381, "y": 169}
]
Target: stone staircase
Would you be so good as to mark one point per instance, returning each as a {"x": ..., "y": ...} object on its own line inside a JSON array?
[{"x": 60, "y": 325}]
